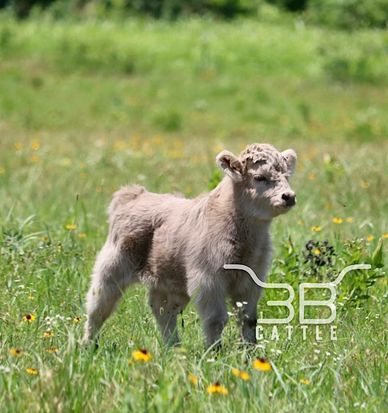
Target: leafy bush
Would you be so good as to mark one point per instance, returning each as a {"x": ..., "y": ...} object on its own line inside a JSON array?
[
  {"x": 318, "y": 261},
  {"x": 154, "y": 8},
  {"x": 169, "y": 120},
  {"x": 361, "y": 63},
  {"x": 349, "y": 14},
  {"x": 345, "y": 14},
  {"x": 175, "y": 8},
  {"x": 291, "y": 5},
  {"x": 22, "y": 8}
]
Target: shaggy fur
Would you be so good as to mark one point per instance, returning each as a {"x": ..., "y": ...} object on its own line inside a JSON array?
[{"x": 179, "y": 246}]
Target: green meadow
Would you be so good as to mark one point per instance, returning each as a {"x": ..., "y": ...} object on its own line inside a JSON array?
[{"x": 88, "y": 106}]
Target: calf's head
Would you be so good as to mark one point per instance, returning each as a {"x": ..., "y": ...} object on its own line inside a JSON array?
[{"x": 261, "y": 176}]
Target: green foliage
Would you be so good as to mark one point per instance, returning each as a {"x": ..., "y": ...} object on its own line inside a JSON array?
[
  {"x": 169, "y": 120},
  {"x": 232, "y": 8},
  {"x": 349, "y": 14},
  {"x": 377, "y": 256},
  {"x": 215, "y": 179},
  {"x": 155, "y": 8},
  {"x": 291, "y": 5},
  {"x": 175, "y": 8},
  {"x": 22, "y": 8},
  {"x": 354, "y": 63},
  {"x": 344, "y": 14},
  {"x": 357, "y": 284},
  {"x": 85, "y": 54},
  {"x": 318, "y": 261}
]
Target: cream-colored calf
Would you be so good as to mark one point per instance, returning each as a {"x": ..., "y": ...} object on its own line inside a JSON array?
[{"x": 178, "y": 246}]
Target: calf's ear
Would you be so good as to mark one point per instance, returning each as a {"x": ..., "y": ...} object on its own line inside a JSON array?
[
  {"x": 230, "y": 165},
  {"x": 290, "y": 157}
]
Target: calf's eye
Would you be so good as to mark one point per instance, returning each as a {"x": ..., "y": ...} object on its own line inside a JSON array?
[{"x": 261, "y": 178}]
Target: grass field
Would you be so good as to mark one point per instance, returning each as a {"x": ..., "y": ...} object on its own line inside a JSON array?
[{"x": 88, "y": 106}]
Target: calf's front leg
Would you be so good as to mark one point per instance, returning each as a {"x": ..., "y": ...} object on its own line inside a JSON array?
[
  {"x": 213, "y": 311},
  {"x": 245, "y": 296}
]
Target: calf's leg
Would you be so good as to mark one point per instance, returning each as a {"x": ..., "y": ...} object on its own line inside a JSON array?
[
  {"x": 213, "y": 311},
  {"x": 111, "y": 276},
  {"x": 166, "y": 305},
  {"x": 245, "y": 297}
]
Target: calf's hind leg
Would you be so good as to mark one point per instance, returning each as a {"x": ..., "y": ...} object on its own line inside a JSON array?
[
  {"x": 111, "y": 276},
  {"x": 166, "y": 306}
]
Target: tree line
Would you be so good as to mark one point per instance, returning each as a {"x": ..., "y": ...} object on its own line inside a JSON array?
[{"x": 346, "y": 14}]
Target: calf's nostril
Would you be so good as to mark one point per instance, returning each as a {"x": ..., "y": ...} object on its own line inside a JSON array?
[{"x": 289, "y": 198}]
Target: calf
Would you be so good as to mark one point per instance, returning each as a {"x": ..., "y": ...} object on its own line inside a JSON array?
[{"x": 178, "y": 246}]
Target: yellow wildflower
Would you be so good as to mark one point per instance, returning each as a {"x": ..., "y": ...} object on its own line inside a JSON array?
[
  {"x": 18, "y": 146},
  {"x": 241, "y": 374},
  {"x": 35, "y": 145},
  {"x": 385, "y": 235},
  {"x": 305, "y": 381},
  {"x": 216, "y": 388},
  {"x": 370, "y": 238},
  {"x": 76, "y": 319},
  {"x": 193, "y": 379},
  {"x": 32, "y": 371},
  {"x": 34, "y": 158},
  {"x": 157, "y": 140},
  {"x": 15, "y": 352},
  {"x": 119, "y": 145},
  {"x": 29, "y": 318},
  {"x": 141, "y": 355},
  {"x": 337, "y": 220},
  {"x": 81, "y": 235},
  {"x": 48, "y": 334},
  {"x": 316, "y": 251},
  {"x": 349, "y": 220},
  {"x": 70, "y": 227},
  {"x": 262, "y": 364},
  {"x": 52, "y": 350},
  {"x": 316, "y": 228}
]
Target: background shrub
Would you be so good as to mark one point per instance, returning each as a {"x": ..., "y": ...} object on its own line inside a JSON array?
[
  {"x": 344, "y": 14},
  {"x": 154, "y": 8},
  {"x": 291, "y": 5},
  {"x": 349, "y": 14}
]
